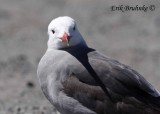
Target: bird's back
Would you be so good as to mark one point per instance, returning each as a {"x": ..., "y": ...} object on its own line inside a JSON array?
[{"x": 129, "y": 90}]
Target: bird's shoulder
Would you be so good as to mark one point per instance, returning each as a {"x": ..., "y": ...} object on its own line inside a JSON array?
[{"x": 120, "y": 73}]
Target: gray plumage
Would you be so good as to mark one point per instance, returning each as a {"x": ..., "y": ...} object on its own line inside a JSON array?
[{"x": 66, "y": 78}]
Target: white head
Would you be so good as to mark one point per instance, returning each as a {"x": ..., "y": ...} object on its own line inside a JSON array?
[{"x": 63, "y": 33}]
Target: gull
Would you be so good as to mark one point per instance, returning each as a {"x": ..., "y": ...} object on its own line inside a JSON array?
[{"x": 77, "y": 79}]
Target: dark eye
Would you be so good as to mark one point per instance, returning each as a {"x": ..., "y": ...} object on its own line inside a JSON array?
[
  {"x": 74, "y": 28},
  {"x": 53, "y": 31}
]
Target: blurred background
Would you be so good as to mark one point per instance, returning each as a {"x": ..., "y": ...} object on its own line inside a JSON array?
[{"x": 131, "y": 37}]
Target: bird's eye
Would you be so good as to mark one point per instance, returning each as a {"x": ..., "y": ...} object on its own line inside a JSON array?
[
  {"x": 74, "y": 28},
  {"x": 53, "y": 31}
]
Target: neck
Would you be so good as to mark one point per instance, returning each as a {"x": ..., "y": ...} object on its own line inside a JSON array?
[{"x": 80, "y": 45}]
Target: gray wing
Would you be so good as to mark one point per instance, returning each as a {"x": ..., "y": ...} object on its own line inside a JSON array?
[
  {"x": 121, "y": 74},
  {"x": 94, "y": 98},
  {"x": 121, "y": 79},
  {"x": 89, "y": 96},
  {"x": 118, "y": 78}
]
